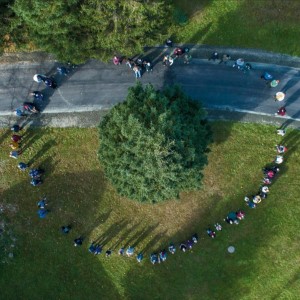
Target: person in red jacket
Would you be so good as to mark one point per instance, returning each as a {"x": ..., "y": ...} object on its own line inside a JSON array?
[{"x": 281, "y": 111}]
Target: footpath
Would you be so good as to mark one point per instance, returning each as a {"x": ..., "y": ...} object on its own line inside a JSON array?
[{"x": 84, "y": 96}]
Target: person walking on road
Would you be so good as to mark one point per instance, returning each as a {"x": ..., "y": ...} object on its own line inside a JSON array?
[
  {"x": 279, "y": 96},
  {"x": 137, "y": 71},
  {"x": 281, "y": 111},
  {"x": 273, "y": 83},
  {"x": 266, "y": 76}
]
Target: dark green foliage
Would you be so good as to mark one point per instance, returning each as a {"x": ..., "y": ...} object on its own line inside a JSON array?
[
  {"x": 154, "y": 144},
  {"x": 75, "y": 30},
  {"x": 180, "y": 17},
  {"x": 6, "y": 16}
]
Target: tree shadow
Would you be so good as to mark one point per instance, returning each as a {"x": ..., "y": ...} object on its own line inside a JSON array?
[
  {"x": 219, "y": 268},
  {"x": 140, "y": 235},
  {"x": 41, "y": 152},
  {"x": 35, "y": 236}
]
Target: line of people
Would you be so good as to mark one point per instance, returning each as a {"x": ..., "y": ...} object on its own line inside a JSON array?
[
  {"x": 271, "y": 82},
  {"x": 138, "y": 66},
  {"x": 279, "y": 96},
  {"x": 233, "y": 217}
]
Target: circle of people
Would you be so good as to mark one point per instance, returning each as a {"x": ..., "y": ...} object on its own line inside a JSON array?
[{"x": 233, "y": 217}]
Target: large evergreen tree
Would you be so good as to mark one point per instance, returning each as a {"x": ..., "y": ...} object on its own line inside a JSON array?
[
  {"x": 75, "y": 30},
  {"x": 153, "y": 145}
]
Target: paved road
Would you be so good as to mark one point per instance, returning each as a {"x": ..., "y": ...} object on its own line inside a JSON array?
[{"x": 95, "y": 86}]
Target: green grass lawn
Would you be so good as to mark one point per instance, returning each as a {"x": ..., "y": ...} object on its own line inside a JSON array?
[
  {"x": 47, "y": 266},
  {"x": 266, "y": 24}
]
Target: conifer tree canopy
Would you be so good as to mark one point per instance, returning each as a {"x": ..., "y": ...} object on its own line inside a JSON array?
[
  {"x": 76, "y": 30},
  {"x": 154, "y": 145}
]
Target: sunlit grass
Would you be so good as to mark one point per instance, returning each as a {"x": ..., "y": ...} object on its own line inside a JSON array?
[
  {"x": 265, "y": 24},
  {"x": 266, "y": 242}
]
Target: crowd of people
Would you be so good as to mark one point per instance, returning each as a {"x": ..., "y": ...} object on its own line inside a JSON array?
[
  {"x": 139, "y": 66},
  {"x": 240, "y": 64},
  {"x": 17, "y": 140},
  {"x": 143, "y": 65}
]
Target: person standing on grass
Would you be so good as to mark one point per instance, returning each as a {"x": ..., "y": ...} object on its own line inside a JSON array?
[
  {"x": 15, "y": 154},
  {"x": 78, "y": 241},
  {"x": 263, "y": 195},
  {"x": 163, "y": 255},
  {"x": 271, "y": 172},
  {"x": 281, "y": 149},
  {"x": 281, "y": 132},
  {"x": 36, "y": 173},
  {"x": 43, "y": 212},
  {"x": 169, "y": 43},
  {"x": 265, "y": 189},
  {"x": 36, "y": 181},
  {"x": 98, "y": 250},
  {"x": 278, "y": 160},
  {"x": 231, "y": 218},
  {"x": 251, "y": 204},
  {"x": 183, "y": 247},
  {"x": 172, "y": 248},
  {"x": 22, "y": 166},
  {"x": 121, "y": 251},
  {"x": 129, "y": 251},
  {"x": 108, "y": 253},
  {"x": 266, "y": 180},
  {"x": 14, "y": 145},
  {"x": 256, "y": 199},
  {"x": 189, "y": 244},
  {"x": 16, "y": 138},
  {"x": 218, "y": 227},
  {"x": 240, "y": 215},
  {"x": 195, "y": 238},
  {"x": 139, "y": 257},
  {"x": 211, "y": 233},
  {"x": 65, "y": 229},
  {"x": 154, "y": 258},
  {"x": 42, "y": 203}
]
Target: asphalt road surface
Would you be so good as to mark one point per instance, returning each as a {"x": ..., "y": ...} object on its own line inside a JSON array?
[{"x": 96, "y": 85}]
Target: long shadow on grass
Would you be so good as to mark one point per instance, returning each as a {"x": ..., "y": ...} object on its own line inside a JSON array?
[
  {"x": 209, "y": 271},
  {"x": 44, "y": 255},
  {"x": 221, "y": 86}
]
